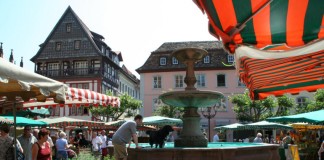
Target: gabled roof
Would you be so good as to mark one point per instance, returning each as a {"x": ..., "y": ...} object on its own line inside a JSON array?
[
  {"x": 129, "y": 74},
  {"x": 88, "y": 33},
  {"x": 217, "y": 54}
]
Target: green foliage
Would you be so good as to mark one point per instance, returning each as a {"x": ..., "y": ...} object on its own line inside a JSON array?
[
  {"x": 128, "y": 105},
  {"x": 257, "y": 110},
  {"x": 285, "y": 103},
  {"x": 318, "y": 102},
  {"x": 169, "y": 111}
]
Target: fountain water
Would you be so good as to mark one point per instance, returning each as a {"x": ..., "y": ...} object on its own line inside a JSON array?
[{"x": 192, "y": 144}]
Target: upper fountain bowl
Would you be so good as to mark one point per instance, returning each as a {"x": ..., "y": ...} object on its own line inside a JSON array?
[
  {"x": 192, "y": 98},
  {"x": 191, "y": 54}
]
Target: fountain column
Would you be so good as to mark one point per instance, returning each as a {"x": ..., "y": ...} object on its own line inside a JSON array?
[
  {"x": 191, "y": 99},
  {"x": 191, "y": 134}
]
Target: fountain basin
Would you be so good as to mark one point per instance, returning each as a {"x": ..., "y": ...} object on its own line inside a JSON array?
[
  {"x": 191, "y": 98},
  {"x": 215, "y": 151}
]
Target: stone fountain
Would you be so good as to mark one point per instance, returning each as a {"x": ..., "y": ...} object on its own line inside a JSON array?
[
  {"x": 192, "y": 144},
  {"x": 191, "y": 99}
]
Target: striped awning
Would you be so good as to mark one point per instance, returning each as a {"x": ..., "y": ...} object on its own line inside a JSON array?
[
  {"x": 93, "y": 97},
  {"x": 264, "y": 22},
  {"x": 278, "y": 44},
  {"x": 67, "y": 121},
  {"x": 76, "y": 97},
  {"x": 277, "y": 73}
]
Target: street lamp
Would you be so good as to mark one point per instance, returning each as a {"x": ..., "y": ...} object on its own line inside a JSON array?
[{"x": 209, "y": 113}]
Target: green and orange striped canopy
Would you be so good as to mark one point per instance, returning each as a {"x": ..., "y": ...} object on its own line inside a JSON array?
[
  {"x": 278, "y": 44},
  {"x": 264, "y": 22}
]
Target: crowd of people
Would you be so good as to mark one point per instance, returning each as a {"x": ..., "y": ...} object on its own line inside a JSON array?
[{"x": 37, "y": 144}]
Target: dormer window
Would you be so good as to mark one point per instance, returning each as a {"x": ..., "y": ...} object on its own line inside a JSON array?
[
  {"x": 58, "y": 46},
  {"x": 207, "y": 59},
  {"x": 162, "y": 61},
  {"x": 77, "y": 44},
  {"x": 68, "y": 27},
  {"x": 175, "y": 60},
  {"x": 230, "y": 58}
]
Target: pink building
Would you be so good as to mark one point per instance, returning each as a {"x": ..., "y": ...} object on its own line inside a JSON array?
[{"x": 162, "y": 73}]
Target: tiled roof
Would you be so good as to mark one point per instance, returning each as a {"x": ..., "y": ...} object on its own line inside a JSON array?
[
  {"x": 129, "y": 74},
  {"x": 172, "y": 46},
  {"x": 217, "y": 54}
]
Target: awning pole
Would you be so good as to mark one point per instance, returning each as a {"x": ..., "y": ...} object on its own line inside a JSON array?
[{"x": 15, "y": 126}]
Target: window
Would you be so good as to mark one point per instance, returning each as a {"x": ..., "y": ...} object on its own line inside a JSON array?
[
  {"x": 68, "y": 27},
  {"x": 240, "y": 84},
  {"x": 162, "y": 61},
  {"x": 157, "y": 82},
  {"x": 221, "y": 80},
  {"x": 81, "y": 67},
  {"x": 77, "y": 44},
  {"x": 175, "y": 60},
  {"x": 178, "y": 81},
  {"x": 201, "y": 80},
  {"x": 78, "y": 111},
  {"x": 230, "y": 58},
  {"x": 207, "y": 59},
  {"x": 58, "y": 46},
  {"x": 80, "y": 85},
  {"x": 53, "y": 69},
  {"x": 302, "y": 101}
]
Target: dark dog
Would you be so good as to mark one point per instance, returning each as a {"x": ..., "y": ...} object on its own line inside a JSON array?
[{"x": 158, "y": 137}]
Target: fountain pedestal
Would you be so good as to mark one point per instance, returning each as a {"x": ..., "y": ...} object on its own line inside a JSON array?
[{"x": 191, "y": 135}]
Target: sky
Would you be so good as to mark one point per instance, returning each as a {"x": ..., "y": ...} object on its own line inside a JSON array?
[{"x": 134, "y": 27}]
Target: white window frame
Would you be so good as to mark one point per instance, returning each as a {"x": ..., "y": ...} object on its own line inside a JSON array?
[
  {"x": 162, "y": 61},
  {"x": 201, "y": 80},
  {"x": 230, "y": 58},
  {"x": 302, "y": 98},
  {"x": 175, "y": 60},
  {"x": 81, "y": 67},
  {"x": 217, "y": 84},
  {"x": 207, "y": 59},
  {"x": 157, "y": 82},
  {"x": 178, "y": 81},
  {"x": 53, "y": 69}
]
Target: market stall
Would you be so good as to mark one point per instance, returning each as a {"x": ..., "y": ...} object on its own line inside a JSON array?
[
  {"x": 306, "y": 137},
  {"x": 18, "y": 85},
  {"x": 161, "y": 121}
]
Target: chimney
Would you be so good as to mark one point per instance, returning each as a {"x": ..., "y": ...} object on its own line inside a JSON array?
[
  {"x": 11, "y": 59},
  {"x": 21, "y": 63},
  {"x": 1, "y": 50}
]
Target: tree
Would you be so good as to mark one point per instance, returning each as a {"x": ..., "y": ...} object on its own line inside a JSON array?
[
  {"x": 257, "y": 110},
  {"x": 128, "y": 105},
  {"x": 318, "y": 102},
  {"x": 169, "y": 111},
  {"x": 285, "y": 103}
]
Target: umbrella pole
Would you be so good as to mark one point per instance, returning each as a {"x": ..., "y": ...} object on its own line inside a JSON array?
[{"x": 15, "y": 126}]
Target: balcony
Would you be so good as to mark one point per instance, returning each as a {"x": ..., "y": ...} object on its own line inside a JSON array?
[{"x": 70, "y": 72}]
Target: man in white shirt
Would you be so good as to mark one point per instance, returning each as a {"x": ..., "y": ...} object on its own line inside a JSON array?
[
  {"x": 103, "y": 138},
  {"x": 216, "y": 138},
  {"x": 96, "y": 145}
]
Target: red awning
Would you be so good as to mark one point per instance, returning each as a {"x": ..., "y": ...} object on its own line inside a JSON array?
[
  {"x": 93, "y": 97},
  {"x": 76, "y": 97},
  {"x": 264, "y": 22}
]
